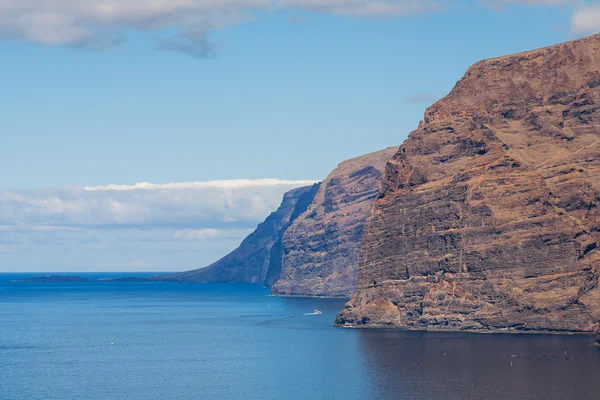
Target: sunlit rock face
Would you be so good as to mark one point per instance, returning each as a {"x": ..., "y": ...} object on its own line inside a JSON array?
[
  {"x": 321, "y": 247},
  {"x": 310, "y": 245},
  {"x": 488, "y": 216}
]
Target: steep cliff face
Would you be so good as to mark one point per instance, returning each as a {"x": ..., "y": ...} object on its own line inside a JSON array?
[
  {"x": 488, "y": 217},
  {"x": 321, "y": 247},
  {"x": 310, "y": 245},
  {"x": 258, "y": 258}
]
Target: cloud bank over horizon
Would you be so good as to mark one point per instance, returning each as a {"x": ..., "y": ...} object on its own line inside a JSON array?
[
  {"x": 185, "y": 25},
  {"x": 132, "y": 227},
  {"x": 211, "y": 204}
]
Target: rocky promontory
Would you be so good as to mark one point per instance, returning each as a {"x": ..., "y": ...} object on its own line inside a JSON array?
[
  {"x": 258, "y": 258},
  {"x": 321, "y": 247},
  {"x": 310, "y": 245},
  {"x": 489, "y": 218}
]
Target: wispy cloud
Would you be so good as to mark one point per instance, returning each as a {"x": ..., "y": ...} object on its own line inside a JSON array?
[
  {"x": 194, "y": 43},
  {"x": 422, "y": 98},
  {"x": 366, "y": 7},
  {"x": 211, "y": 234},
  {"x": 223, "y": 184},
  {"x": 94, "y": 24},
  {"x": 543, "y": 3},
  {"x": 586, "y": 20}
]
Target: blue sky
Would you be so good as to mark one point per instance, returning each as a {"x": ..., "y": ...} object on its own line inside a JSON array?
[{"x": 118, "y": 92}]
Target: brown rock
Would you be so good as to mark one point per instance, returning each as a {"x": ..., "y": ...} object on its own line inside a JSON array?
[
  {"x": 488, "y": 218},
  {"x": 321, "y": 247},
  {"x": 312, "y": 241}
]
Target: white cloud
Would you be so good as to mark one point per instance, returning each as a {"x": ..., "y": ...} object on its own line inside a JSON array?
[
  {"x": 141, "y": 227},
  {"x": 188, "y": 205},
  {"x": 210, "y": 234},
  {"x": 79, "y": 21},
  {"x": 99, "y": 24},
  {"x": 544, "y": 3},
  {"x": 586, "y": 20},
  {"x": 365, "y": 7},
  {"x": 224, "y": 184},
  {"x": 194, "y": 43},
  {"x": 195, "y": 234}
]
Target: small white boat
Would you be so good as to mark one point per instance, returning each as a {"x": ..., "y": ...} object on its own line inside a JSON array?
[{"x": 317, "y": 312}]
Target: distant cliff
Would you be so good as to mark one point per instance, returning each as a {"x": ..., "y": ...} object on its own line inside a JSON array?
[
  {"x": 489, "y": 216},
  {"x": 310, "y": 245},
  {"x": 258, "y": 258},
  {"x": 321, "y": 247}
]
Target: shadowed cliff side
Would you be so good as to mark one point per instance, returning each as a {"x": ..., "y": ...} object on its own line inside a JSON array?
[
  {"x": 321, "y": 247},
  {"x": 258, "y": 258},
  {"x": 488, "y": 217}
]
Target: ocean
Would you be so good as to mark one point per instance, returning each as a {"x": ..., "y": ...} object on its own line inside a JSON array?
[{"x": 146, "y": 341}]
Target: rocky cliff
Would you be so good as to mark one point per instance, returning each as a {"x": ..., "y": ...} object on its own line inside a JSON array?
[
  {"x": 488, "y": 217},
  {"x": 258, "y": 258},
  {"x": 310, "y": 245},
  {"x": 321, "y": 247}
]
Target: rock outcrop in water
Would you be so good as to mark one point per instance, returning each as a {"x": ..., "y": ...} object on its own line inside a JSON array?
[
  {"x": 488, "y": 218},
  {"x": 321, "y": 247},
  {"x": 258, "y": 258}
]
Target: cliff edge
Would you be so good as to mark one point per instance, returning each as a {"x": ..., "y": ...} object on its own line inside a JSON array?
[
  {"x": 488, "y": 216},
  {"x": 321, "y": 247}
]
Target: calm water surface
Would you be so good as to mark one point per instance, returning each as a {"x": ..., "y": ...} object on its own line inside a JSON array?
[{"x": 145, "y": 341}]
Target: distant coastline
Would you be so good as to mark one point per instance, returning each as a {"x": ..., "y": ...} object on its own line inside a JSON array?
[
  {"x": 52, "y": 279},
  {"x": 55, "y": 278}
]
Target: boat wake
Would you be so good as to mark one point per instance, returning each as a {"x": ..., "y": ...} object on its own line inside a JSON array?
[
  {"x": 268, "y": 322},
  {"x": 316, "y": 312}
]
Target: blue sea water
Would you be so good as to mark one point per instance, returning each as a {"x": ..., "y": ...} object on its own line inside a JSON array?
[{"x": 145, "y": 341}]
